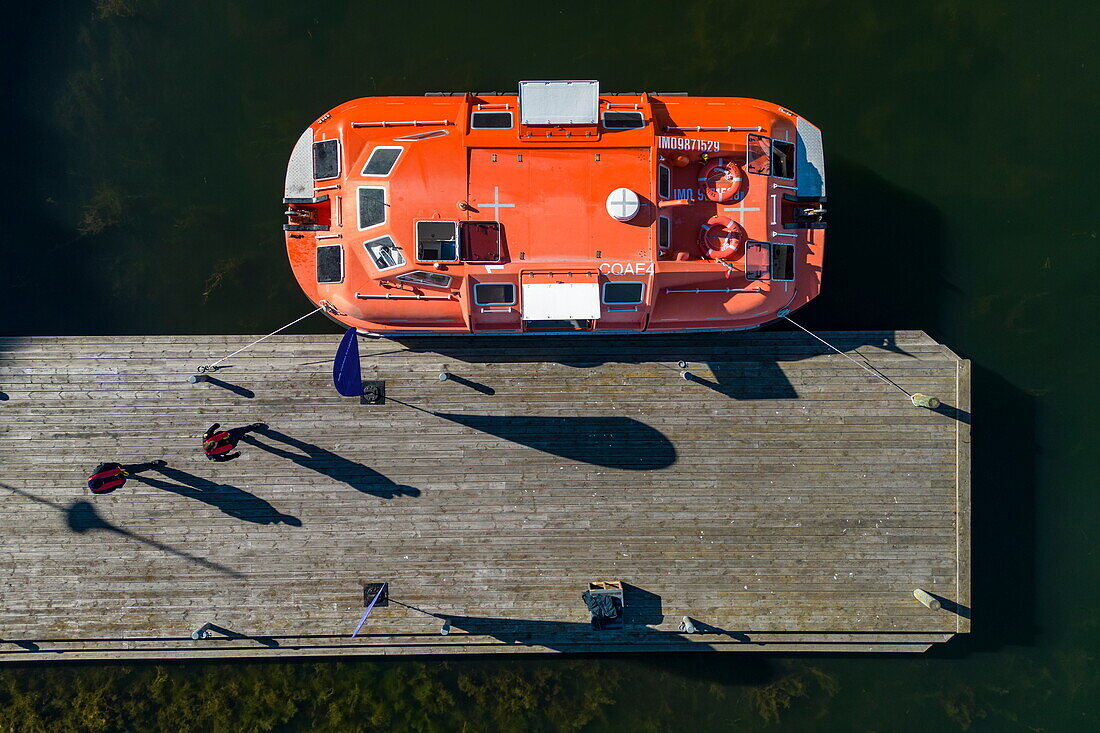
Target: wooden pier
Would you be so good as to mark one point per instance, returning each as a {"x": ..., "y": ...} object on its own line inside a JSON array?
[{"x": 784, "y": 499}]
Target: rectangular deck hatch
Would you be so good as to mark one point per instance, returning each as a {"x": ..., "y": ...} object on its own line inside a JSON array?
[
  {"x": 326, "y": 159},
  {"x": 559, "y": 102},
  {"x": 330, "y": 263}
]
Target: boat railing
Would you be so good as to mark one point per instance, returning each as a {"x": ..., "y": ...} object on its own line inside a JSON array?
[
  {"x": 390, "y": 296},
  {"x": 711, "y": 128},
  {"x": 714, "y": 290},
  {"x": 402, "y": 123}
]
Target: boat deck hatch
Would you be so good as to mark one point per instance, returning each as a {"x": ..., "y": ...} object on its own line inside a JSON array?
[
  {"x": 330, "y": 263},
  {"x": 326, "y": 159},
  {"x": 769, "y": 261},
  {"x": 481, "y": 241}
]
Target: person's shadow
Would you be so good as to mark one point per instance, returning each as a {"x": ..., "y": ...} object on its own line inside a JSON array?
[
  {"x": 356, "y": 475},
  {"x": 235, "y": 502}
]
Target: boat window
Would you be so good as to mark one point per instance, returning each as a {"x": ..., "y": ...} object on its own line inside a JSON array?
[
  {"x": 782, "y": 159},
  {"x": 437, "y": 241},
  {"x": 326, "y": 159},
  {"x": 431, "y": 279},
  {"x": 372, "y": 207},
  {"x": 623, "y": 293},
  {"x": 759, "y": 155},
  {"x": 385, "y": 253},
  {"x": 623, "y": 120},
  {"x": 494, "y": 294},
  {"x": 782, "y": 262},
  {"x": 664, "y": 181},
  {"x": 664, "y": 232},
  {"x": 491, "y": 120},
  {"x": 381, "y": 161},
  {"x": 330, "y": 263}
]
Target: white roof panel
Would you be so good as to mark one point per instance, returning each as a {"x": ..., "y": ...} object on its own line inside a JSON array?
[
  {"x": 561, "y": 301},
  {"x": 559, "y": 102}
]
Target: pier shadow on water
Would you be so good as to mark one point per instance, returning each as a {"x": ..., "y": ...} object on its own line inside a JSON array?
[
  {"x": 237, "y": 503},
  {"x": 1003, "y": 532},
  {"x": 613, "y": 442},
  {"x": 361, "y": 478}
]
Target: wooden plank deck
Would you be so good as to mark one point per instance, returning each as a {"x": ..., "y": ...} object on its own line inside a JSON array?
[{"x": 784, "y": 500}]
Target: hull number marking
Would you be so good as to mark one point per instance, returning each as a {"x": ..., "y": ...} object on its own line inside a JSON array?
[
  {"x": 687, "y": 143},
  {"x": 626, "y": 268}
]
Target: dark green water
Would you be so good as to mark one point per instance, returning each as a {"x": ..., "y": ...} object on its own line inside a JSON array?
[{"x": 146, "y": 147}]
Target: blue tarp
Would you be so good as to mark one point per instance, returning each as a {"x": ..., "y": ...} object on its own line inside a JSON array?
[{"x": 346, "y": 374}]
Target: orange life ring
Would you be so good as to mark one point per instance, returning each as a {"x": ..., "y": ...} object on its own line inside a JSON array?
[
  {"x": 721, "y": 179},
  {"x": 721, "y": 238}
]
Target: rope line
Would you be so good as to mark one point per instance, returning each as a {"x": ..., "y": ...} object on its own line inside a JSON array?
[
  {"x": 870, "y": 369},
  {"x": 212, "y": 367}
]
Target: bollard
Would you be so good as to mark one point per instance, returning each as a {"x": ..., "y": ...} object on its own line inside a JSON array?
[
  {"x": 444, "y": 376},
  {"x": 923, "y": 400},
  {"x": 682, "y": 364},
  {"x": 445, "y": 628},
  {"x": 203, "y": 632},
  {"x": 196, "y": 378},
  {"x": 687, "y": 375},
  {"x": 927, "y": 599},
  {"x": 687, "y": 626}
]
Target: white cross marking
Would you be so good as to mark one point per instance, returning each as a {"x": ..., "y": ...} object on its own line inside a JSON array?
[
  {"x": 496, "y": 203},
  {"x": 742, "y": 210}
]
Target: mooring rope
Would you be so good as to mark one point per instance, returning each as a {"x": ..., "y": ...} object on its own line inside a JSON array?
[
  {"x": 212, "y": 367},
  {"x": 866, "y": 367}
]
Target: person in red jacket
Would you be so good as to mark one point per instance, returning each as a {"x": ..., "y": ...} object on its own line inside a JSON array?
[
  {"x": 110, "y": 476},
  {"x": 217, "y": 443}
]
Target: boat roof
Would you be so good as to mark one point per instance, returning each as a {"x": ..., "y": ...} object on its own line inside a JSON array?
[{"x": 547, "y": 175}]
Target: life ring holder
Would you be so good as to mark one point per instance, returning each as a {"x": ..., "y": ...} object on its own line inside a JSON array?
[
  {"x": 721, "y": 179},
  {"x": 721, "y": 238}
]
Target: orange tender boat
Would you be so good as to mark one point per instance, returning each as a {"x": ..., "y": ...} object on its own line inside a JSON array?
[{"x": 556, "y": 209}]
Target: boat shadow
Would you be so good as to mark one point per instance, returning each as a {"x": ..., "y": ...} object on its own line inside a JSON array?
[
  {"x": 741, "y": 376},
  {"x": 612, "y": 442}
]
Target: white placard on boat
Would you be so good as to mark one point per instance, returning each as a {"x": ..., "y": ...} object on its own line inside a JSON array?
[
  {"x": 559, "y": 102},
  {"x": 561, "y": 301}
]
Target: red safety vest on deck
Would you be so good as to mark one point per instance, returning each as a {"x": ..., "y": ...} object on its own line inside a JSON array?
[
  {"x": 107, "y": 481},
  {"x": 217, "y": 444}
]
